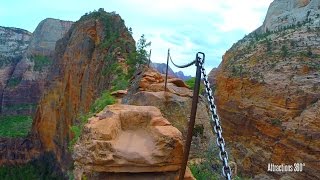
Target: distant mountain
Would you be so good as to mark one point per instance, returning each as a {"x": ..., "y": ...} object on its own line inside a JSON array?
[
  {"x": 161, "y": 67},
  {"x": 25, "y": 59}
]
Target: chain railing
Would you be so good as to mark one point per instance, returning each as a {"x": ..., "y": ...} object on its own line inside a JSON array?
[
  {"x": 217, "y": 129},
  {"x": 226, "y": 170}
]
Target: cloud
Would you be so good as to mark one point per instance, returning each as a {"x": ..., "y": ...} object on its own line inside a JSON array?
[
  {"x": 244, "y": 15},
  {"x": 184, "y": 26}
]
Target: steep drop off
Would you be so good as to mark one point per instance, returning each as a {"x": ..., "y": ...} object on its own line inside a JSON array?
[
  {"x": 267, "y": 93},
  {"x": 27, "y": 78},
  {"x": 81, "y": 71},
  {"x": 13, "y": 44}
]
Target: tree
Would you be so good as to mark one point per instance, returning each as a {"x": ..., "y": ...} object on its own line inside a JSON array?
[
  {"x": 269, "y": 45},
  {"x": 139, "y": 56},
  {"x": 284, "y": 50},
  {"x": 142, "y": 54},
  {"x": 309, "y": 52}
]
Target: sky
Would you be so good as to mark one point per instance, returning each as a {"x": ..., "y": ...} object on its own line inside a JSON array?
[{"x": 184, "y": 26}]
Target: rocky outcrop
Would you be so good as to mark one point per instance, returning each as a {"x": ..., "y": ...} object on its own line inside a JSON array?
[
  {"x": 211, "y": 76},
  {"x": 131, "y": 139},
  {"x": 13, "y": 45},
  {"x": 26, "y": 80},
  {"x": 47, "y": 33},
  {"x": 81, "y": 71},
  {"x": 147, "y": 89},
  {"x": 267, "y": 94},
  {"x": 286, "y": 13}
]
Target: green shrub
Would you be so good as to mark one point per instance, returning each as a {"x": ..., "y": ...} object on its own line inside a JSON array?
[
  {"x": 18, "y": 172},
  {"x": 15, "y": 126},
  {"x": 102, "y": 102},
  {"x": 42, "y": 168},
  {"x": 208, "y": 169},
  {"x": 276, "y": 122},
  {"x": 14, "y": 81},
  {"x": 40, "y": 62},
  {"x": 284, "y": 51},
  {"x": 190, "y": 82},
  {"x": 19, "y": 107}
]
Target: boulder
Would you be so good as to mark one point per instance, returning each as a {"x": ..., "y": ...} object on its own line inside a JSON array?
[
  {"x": 131, "y": 139},
  {"x": 119, "y": 93},
  {"x": 175, "y": 105}
]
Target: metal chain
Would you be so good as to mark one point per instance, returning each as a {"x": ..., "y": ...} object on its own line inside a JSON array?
[{"x": 226, "y": 170}]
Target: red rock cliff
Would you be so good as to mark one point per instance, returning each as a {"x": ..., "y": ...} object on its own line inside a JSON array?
[
  {"x": 79, "y": 75},
  {"x": 267, "y": 93}
]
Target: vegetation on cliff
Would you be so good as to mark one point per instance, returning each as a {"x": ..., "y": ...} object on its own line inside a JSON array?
[
  {"x": 40, "y": 62},
  {"x": 41, "y": 168},
  {"x": 15, "y": 126},
  {"x": 190, "y": 82},
  {"x": 97, "y": 106},
  {"x": 120, "y": 73},
  {"x": 14, "y": 81}
]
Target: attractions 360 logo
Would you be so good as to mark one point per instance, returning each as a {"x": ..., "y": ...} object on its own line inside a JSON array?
[{"x": 296, "y": 167}]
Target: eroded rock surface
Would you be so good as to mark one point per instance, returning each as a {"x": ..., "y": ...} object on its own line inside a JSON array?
[
  {"x": 81, "y": 71},
  {"x": 286, "y": 13},
  {"x": 267, "y": 94},
  {"x": 147, "y": 89},
  {"x": 126, "y": 138}
]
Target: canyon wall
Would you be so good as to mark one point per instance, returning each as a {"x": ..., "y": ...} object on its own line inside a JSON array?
[{"x": 267, "y": 94}]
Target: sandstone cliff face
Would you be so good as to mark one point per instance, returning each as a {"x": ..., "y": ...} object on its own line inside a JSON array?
[
  {"x": 26, "y": 80},
  {"x": 267, "y": 93},
  {"x": 13, "y": 44},
  {"x": 79, "y": 74}
]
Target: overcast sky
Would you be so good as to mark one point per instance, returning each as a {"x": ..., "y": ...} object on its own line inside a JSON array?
[{"x": 184, "y": 26}]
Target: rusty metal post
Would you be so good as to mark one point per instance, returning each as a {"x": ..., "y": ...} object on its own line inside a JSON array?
[
  {"x": 149, "y": 58},
  {"x": 165, "y": 83},
  {"x": 192, "y": 120}
]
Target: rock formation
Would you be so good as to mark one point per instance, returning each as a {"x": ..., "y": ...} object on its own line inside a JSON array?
[
  {"x": 27, "y": 79},
  {"x": 13, "y": 44},
  {"x": 147, "y": 89},
  {"x": 131, "y": 139},
  {"x": 287, "y": 13},
  {"x": 24, "y": 75},
  {"x": 81, "y": 71},
  {"x": 267, "y": 94}
]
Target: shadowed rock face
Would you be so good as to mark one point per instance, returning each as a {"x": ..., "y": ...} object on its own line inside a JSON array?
[
  {"x": 267, "y": 94},
  {"x": 26, "y": 77},
  {"x": 13, "y": 45},
  {"x": 79, "y": 75}
]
